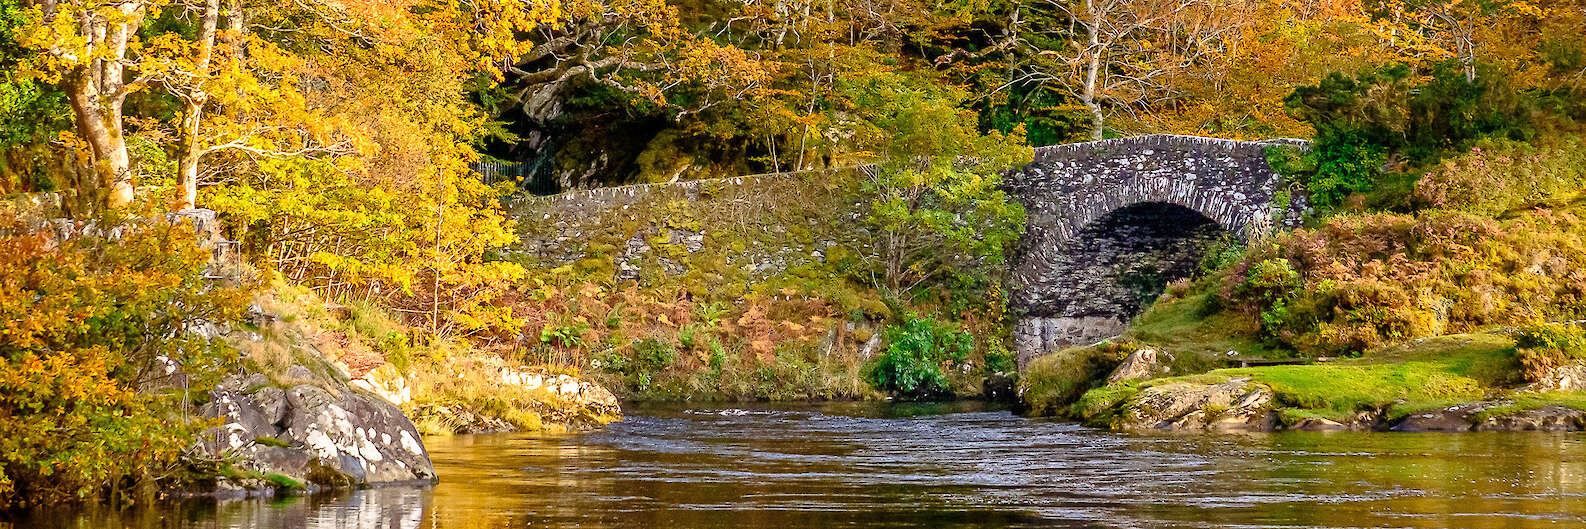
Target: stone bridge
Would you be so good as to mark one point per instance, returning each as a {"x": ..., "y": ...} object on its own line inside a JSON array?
[{"x": 1111, "y": 222}]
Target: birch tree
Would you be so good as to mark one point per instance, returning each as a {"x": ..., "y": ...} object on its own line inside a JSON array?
[
  {"x": 84, "y": 46},
  {"x": 1120, "y": 54}
]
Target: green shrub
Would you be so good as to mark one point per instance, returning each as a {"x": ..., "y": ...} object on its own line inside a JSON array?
[
  {"x": 1225, "y": 251},
  {"x": 911, "y": 365},
  {"x": 1369, "y": 121},
  {"x": 654, "y": 355},
  {"x": 998, "y": 359},
  {"x": 564, "y": 331},
  {"x": 1559, "y": 336}
]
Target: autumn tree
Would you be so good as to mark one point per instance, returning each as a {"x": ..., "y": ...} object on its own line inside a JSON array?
[
  {"x": 638, "y": 47},
  {"x": 88, "y": 48},
  {"x": 1120, "y": 55},
  {"x": 1238, "y": 91},
  {"x": 937, "y": 205},
  {"x": 88, "y": 324}
]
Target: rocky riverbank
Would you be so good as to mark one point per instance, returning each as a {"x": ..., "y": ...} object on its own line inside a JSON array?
[
  {"x": 313, "y": 408},
  {"x": 309, "y": 436}
]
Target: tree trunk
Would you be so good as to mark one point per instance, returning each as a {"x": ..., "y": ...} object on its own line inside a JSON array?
[
  {"x": 99, "y": 124},
  {"x": 96, "y": 87},
  {"x": 1093, "y": 70},
  {"x": 187, "y": 167}
]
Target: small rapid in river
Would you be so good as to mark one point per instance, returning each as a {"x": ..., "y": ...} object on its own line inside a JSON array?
[{"x": 869, "y": 465}]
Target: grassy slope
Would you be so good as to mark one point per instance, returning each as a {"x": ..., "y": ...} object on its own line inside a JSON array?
[
  {"x": 1402, "y": 379},
  {"x": 1176, "y": 324},
  {"x": 1411, "y": 376}
]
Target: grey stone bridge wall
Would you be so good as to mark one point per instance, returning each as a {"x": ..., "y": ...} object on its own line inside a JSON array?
[
  {"x": 1063, "y": 278},
  {"x": 725, "y": 233}
]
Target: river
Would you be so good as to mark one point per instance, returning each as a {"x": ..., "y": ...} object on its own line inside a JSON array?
[{"x": 956, "y": 465}]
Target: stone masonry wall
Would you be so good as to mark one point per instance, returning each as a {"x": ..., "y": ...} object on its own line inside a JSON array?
[
  {"x": 1113, "y": 269},
  {"x": 724, "y": 233}
]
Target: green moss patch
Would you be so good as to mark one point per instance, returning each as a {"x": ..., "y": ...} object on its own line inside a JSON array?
[
  {"x": 1050, "y": 383},
  {"x": 281, "y": 482},
  {"x": 270, "y": 441},
  {"x": 1415, "y": 376}
]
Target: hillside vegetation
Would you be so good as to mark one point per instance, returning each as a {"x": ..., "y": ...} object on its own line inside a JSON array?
[{"x": 1410, "y": 290}]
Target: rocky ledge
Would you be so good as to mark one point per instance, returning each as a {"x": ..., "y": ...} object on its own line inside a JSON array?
[
  {"x": 562, "y": 402},
  {"x": 1241, "y": 405},
  {"x": 1479, "y": 416},
  {"x": 309, "y": 437}
]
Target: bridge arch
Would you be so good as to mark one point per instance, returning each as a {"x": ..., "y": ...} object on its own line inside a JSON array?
[{"x": 1083, "y": 202}]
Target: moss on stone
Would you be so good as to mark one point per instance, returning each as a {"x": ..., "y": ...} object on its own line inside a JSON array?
[{"x": 1402, "y": 379}]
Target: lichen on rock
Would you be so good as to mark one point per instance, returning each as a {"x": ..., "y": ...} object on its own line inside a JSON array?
[{"x": 304, "y": 431}]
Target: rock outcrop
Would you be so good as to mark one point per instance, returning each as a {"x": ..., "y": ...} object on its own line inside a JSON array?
[
  {"x": 1478, "y": 416},
  {"x": 577, "y": 391},
  {"x": 1239, "y": 404},
  {"x": 317, "y": 435},
  {"x": 1143, "y": 364},
  {"x": 1570, "y": 377},
  {"x": 1546, "y": 418},
  {"x": 1236, "y": 404}
]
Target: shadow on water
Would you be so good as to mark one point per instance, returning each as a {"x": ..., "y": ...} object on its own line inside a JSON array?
[{"x": 950, "y": 465}]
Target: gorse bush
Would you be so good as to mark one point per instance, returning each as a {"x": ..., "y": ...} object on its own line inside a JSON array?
[
  {"x": 86, "y": 328},
  {"x": 1360, "y": 281},
  {"x": 1382, "y": 117},
  {"x": 1551, "y": 336},
  {"x": 1543, "y": 347},
  {"x": 1497, "y": 176},
  {"x": 912, "y": 363}
]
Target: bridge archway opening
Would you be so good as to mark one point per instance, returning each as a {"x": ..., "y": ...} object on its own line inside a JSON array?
[{"x": 1115, "y": 266}]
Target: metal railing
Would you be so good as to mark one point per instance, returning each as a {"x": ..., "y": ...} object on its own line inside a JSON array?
[{"x": 499, "y": 171}]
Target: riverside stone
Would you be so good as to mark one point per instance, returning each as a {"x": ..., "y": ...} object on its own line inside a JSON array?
[
  {"x": 1236, "y": 404},
  {"x": 322, "y": 436},
  {"x": 1140, "y": 365},
  {"x": 1457, "y": 418},
  {"x": 1563, "y": 378}
]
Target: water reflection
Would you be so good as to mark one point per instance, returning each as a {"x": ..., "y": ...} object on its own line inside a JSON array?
[{"x": 954, "y": 466}]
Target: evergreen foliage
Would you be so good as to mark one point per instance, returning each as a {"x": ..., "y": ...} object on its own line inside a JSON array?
[{"x": 917, "y": 350}]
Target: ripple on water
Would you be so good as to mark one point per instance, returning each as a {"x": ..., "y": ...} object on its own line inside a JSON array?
[{"x": 906, "y": 465}]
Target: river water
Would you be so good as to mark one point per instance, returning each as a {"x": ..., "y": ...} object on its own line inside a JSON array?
[{"x": 958, "y": 465}]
